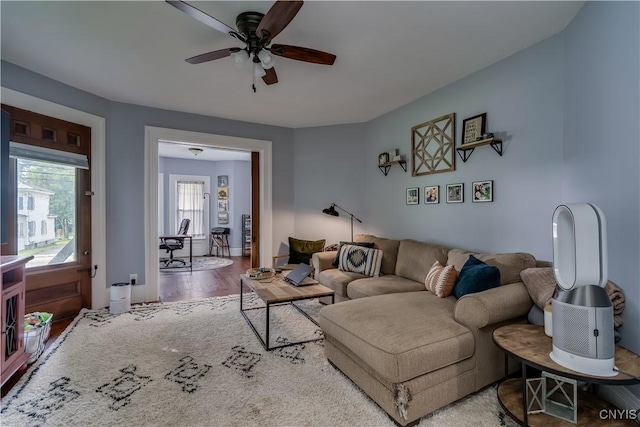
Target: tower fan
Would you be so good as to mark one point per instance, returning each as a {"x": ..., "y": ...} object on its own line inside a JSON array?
[{"x": 582, "y": 318}]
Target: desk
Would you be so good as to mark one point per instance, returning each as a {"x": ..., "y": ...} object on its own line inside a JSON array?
[
  {"x": 182, "y": 236},
  {"x": 531, "y": 347}
]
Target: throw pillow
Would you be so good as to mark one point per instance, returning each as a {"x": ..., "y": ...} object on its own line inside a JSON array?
[
  {"x": 301, "y": 250},
  {"x": 540, "y": 283},
  {"x": 441, "y": 280},
  {"x": 361, "y": 260},
  {"x": 476, "y": 276},
  {"x": 336, "y": 260}
]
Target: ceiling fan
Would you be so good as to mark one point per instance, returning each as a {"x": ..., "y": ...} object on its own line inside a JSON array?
[{"x": 256, "y": 31}]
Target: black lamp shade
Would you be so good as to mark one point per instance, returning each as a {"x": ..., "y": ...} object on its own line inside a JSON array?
[{"x": 331, "y": 211}]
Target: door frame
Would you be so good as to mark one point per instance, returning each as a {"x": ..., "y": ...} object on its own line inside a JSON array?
[
  {"x": 153, "y": 136},
  {"x": 99, "y": 290}
]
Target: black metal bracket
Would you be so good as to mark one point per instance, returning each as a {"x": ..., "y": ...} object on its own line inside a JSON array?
[
  {"x": 465, "y": 152},
  {"x": 384, "y": 167}
]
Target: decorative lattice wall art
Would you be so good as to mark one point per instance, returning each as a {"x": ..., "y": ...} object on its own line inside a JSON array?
[{"x": 433, "y": 146}]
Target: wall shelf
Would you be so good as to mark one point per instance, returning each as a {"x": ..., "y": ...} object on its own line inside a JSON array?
[
  {"x": 384, "y": 167},
  {"x": 465, "y": 150}
]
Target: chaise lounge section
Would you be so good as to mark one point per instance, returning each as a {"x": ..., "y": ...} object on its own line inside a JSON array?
[{"x": 411, "y": 351}]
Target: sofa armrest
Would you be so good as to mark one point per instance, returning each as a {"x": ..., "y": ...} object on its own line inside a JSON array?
[
  {"x": 492, "y": 306},
  {"x": 322, "y": 261}
]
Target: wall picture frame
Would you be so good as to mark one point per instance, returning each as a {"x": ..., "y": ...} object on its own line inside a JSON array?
[
  {"x": 482, "y": 191},
  {"x": 223, "y": 205},
  {"x": 413, "y": 196},
  {"x": 455, "y": 193},
  {"x": 383, "y": 158},
  {"x": 473, "y": 128},
  {"x": 223, "y": 217},
  {"x": 223, "y": 193},
  {"x": 431, "y": 194},
  {"x": 223, "y": 180}
]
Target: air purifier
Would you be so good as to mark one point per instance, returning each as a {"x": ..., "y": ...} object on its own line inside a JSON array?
[{"x": 582, "y": 313}]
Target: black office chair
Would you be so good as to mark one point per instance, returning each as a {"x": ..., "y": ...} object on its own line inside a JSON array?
[{"x": 171, "y": 244}]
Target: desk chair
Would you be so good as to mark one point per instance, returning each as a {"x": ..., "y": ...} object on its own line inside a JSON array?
[
  {"x": 220, "y": 240},
  {"x": 171, "y": 244}
]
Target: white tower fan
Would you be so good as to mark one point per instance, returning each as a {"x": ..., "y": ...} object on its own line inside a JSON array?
[{"x": 582, "y": 313}]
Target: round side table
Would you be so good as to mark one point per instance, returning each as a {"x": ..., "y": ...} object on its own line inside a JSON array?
[{"x": 529, "y": 345}]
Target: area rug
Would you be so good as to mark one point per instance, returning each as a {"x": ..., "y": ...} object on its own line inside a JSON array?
[
  {"x": 199, "y": 364},
  {"x": 199, "y": 264}
]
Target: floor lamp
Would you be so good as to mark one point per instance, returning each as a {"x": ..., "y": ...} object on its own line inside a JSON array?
[{"x": 331, "y": 210}]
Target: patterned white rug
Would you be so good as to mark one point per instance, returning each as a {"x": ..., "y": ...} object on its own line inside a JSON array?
[
  {"x": 199, "y": 264},
  {"x": 199, "y": 364}
]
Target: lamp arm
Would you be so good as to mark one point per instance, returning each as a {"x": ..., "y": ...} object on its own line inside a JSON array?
[{"x": 347, "y": 212}]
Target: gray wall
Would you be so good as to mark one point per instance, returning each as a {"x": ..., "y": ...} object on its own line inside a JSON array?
[
  {"x": 125, "y": 161},
  {"x": 602, "y": 135},
  {"x": 568, "y": 111},
  {"x": 239, "y": 173}
]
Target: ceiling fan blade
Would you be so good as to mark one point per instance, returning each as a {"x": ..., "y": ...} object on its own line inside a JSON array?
[
  {"x": 201, "y": 16},
  {"x": 210, "y": 56},
  {"x": 303, "y": 54},
  {"x": 271, "y": 77},
  {"x": 277, "y": 18}
]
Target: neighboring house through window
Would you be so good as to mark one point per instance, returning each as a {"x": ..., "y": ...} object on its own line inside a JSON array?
[{"x": 30, "y": 203}]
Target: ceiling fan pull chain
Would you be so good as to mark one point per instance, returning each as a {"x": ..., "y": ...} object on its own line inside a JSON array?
[{"x": 253, "y": 84}]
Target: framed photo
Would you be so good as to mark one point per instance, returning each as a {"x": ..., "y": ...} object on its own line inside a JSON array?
[
  {"x": 223, "y": 217},
  {"x": 482, "y": 191},
  {"x": 455, "y": 193},
  {"x": 383, "y": 158},
  {"x": 432, "y": 194},
  {"x": 473, "y": 128},
  {"x": 223, "y": 205},
  {"x": 413, "y": 196},
  {"x": 223, "y": 193},
  {"x": 223, "y": 180}
]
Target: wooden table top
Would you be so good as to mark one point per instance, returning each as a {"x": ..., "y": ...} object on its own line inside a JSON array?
[
  {"x": 276, "y": 290},
  {"x": 530, "y": 344}
]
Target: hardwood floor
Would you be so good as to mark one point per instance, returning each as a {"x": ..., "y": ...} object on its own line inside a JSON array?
[{"x": 172, "y": 287}]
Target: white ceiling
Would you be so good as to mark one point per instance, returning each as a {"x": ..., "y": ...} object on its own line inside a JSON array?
[
  {"x": 388, "y": 53},
  {"x": 181, "y": 151}
]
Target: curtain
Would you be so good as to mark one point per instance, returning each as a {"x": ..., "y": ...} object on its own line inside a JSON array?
[{"x": 191, "y": 205}]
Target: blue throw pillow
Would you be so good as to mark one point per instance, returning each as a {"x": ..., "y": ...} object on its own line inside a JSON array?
[{"x": 476, "y": 276}]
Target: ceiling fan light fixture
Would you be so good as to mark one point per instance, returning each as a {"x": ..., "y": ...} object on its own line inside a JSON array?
[
  {"x": 240, "y": 57},
  {"x": 258, "y": 71},
  {"x": 266, "y": 59}
]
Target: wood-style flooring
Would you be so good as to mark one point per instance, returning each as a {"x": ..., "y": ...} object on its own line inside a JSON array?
[{"x": 172, "y": 287}]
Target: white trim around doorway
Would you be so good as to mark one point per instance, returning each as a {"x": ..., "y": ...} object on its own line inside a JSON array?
[{"x": 153, "y": 136}]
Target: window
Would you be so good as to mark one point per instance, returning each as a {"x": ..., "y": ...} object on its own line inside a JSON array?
[
  {"x": 43, "y": 228},
  {"x": 190, "y": 204},
  {"x": 30, "y": 203},
  {"x": 32, "y": 228},
  {"x": 20, "y": 203},
  {"x": 21, "y": 230}
]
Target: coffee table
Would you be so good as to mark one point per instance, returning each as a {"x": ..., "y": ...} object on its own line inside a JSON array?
[
  {"x": 528, "y": 344},
  {"x": 276, "y": 291}
]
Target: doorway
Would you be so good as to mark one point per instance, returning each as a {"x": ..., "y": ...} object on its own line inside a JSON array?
[{"x": 153, "y": 137}]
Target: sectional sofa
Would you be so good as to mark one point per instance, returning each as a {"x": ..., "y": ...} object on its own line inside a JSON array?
[{"x": 411, "y": 351}]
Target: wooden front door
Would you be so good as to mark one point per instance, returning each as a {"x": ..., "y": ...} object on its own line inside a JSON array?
[{"x": 50, "y": 211}]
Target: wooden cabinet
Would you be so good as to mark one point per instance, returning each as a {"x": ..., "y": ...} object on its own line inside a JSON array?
[{"x": 12, "y": 315}]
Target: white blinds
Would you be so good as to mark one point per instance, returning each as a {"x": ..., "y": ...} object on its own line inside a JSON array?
[
  {"x": 191, "y": 205},
  {"x": 33, "y": 152}
]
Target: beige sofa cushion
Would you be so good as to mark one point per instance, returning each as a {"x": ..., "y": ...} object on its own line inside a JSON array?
[
  {"x": 389, "y": 250},
  {"x": 416, "y": 258},
  {"x": 509, "y": 264},
  {"x": 396, "y": 334},
  {"x": 382, "y": 285},
  {"x": 338, "y": 279}
]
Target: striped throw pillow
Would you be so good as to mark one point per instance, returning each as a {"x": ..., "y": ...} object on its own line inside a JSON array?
[
  {"x": 441, "y": 280},
  {"x": 361, "y": 260}
]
